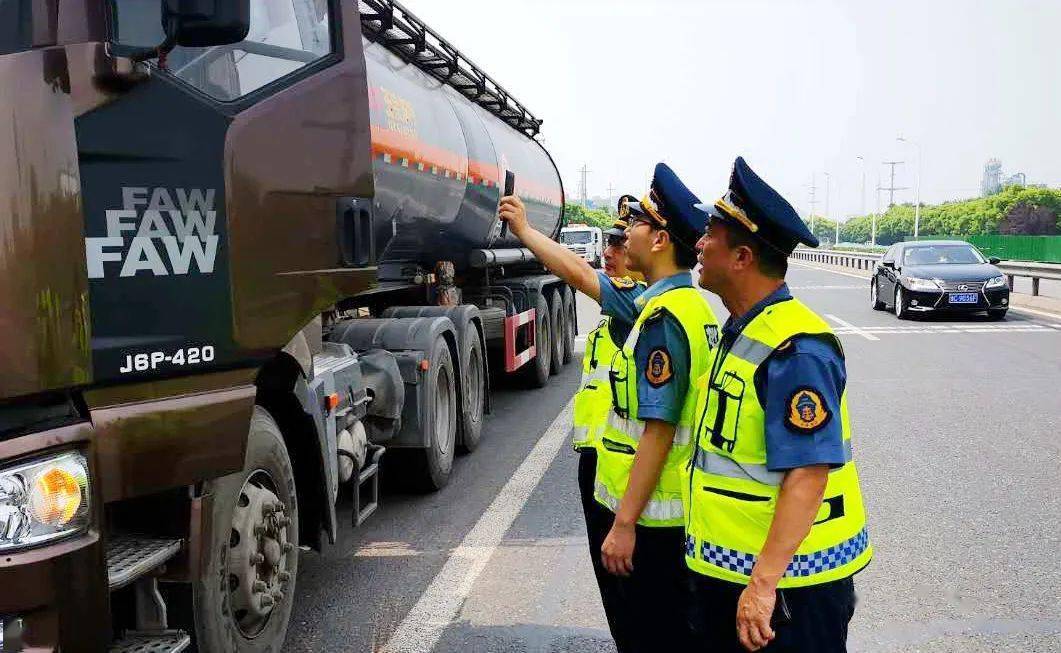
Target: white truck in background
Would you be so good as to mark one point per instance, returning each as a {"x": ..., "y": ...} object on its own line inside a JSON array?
[{"x": 584, "y": 240}]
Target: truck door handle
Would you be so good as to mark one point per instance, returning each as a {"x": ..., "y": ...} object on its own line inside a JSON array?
[{"x": 357, "y": 246}]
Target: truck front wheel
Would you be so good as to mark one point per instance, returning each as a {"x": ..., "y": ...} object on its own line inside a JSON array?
[{"x": 244, "y": 594}]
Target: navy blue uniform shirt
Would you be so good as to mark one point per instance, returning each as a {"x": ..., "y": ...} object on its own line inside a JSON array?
[
  {"x": 808, "y": 374},
  {"x": 661, "y": 356}
]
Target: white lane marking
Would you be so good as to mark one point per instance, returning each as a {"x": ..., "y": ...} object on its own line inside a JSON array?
[
  {"x": 441, "y": 602},
  {"x": 854, "y": 329}
]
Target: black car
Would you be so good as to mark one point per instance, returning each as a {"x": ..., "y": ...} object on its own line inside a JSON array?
[{"x": 938, "y": 276}]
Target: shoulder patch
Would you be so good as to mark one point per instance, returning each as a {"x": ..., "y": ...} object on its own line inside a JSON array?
[
  {"x": 658, "y": 372},
  {"x": 806, "y": 411},
  {"x": 623, "y": 283}
]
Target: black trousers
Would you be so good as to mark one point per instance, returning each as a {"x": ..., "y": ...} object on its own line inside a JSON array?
[
  {"x": 647, "y": 611},
  {"x": 820, "y": 615}
]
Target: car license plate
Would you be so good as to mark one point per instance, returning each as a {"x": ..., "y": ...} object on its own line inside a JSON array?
[{"x": 963, "y": 298}]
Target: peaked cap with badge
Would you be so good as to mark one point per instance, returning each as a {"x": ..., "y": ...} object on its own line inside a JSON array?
[
  {"x": 669, "y": 205},
  {"x": 620, "y": 225},
  {"x": 756, "y": 207}
]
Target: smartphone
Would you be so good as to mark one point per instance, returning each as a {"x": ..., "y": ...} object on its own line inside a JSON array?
[{"x": 510, "y": 187}]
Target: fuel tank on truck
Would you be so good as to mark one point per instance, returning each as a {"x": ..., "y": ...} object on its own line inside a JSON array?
[{"x": 439, "y": 163}]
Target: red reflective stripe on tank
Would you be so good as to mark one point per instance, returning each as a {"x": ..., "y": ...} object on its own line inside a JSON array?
[{"x": 398, "y": 146}]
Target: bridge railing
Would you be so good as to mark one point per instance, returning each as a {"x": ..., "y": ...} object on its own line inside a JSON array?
[{"x": 867, "y": 262}]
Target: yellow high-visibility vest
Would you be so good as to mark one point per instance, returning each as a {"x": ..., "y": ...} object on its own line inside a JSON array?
[
  {"x": 732, "y": 495},
  {"x": 618, "y": 442}
]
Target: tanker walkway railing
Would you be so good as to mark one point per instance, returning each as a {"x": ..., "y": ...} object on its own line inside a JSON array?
[{"x": 867, "y": 262}]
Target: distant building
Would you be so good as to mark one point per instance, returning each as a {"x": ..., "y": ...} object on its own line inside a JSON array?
[
  {"x": 1018, "y": 179},
  {"x": 991, "y": 182},
  {"x": 994, "y": 180}
]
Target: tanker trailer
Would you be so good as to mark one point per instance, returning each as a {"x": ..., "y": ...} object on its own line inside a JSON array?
[{"x": 292, "y": 271}]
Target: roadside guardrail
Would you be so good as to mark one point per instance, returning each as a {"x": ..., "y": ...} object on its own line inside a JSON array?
[{"x": 865, "y": 261}]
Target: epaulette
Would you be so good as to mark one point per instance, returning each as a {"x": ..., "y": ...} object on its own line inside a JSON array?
[{"x": 623, "y": 283}]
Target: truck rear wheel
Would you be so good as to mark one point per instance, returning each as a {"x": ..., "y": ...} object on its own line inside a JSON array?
[
  {"x": 556, "y": 320},
  {"x": 243, "y": 597},
  {"x": 536, "y": 372},
  {"x": 431, "y": 466},
  {"x": 569, "y": 324},
  {"x": 474, "y": 387}
]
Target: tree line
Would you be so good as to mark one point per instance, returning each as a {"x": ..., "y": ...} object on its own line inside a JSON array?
[{"x": 1015, "y": 210}]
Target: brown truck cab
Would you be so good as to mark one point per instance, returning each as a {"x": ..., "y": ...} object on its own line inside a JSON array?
[{"x": 246, "y": 248}]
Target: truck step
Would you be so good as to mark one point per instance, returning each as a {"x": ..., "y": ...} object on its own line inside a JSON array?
[
  {"x": 130, "y": 557},
  {"x": 366, "y": 486},
  {"x": 170, "y": 641}
]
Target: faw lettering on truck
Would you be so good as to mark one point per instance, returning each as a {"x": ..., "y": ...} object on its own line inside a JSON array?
[{"x": 157, "y": 231}]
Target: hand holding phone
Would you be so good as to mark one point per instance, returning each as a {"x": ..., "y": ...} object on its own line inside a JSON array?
[{"x": 510, "y": 187}]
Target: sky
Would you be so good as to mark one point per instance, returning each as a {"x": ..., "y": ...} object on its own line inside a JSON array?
[{"x": 800, "y": 88}]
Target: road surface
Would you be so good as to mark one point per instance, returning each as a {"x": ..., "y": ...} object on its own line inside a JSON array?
[{"x": 956, "y": 432}]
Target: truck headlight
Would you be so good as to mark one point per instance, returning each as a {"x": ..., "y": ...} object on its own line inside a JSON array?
[
  {"x": 996, "y": 282},
  {"x": 913, "y": 283},
  {"x": 43, "y": 500}
]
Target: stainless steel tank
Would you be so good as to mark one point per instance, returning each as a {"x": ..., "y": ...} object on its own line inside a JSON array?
[{"x": 439, "y": 163}]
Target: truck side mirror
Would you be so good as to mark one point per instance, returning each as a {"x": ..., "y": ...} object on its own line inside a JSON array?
[
  {"x": 204, "y": 23},
  {"x": 994, "y": 260}
]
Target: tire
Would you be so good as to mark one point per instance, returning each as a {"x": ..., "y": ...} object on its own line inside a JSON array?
[
  {"x": 430, "y": 467},
  {"x": 222, "y": 596},
  {"x": 874, "y": 300},
  {"x": 556, "y": 321},
  {"x": 998, "y": 314},
  {"x": 473, "y": 385},
  {"x": 536, "y": 372},
  {"x": 569, "y": 324},
  {"x": 901, "y": 310}
]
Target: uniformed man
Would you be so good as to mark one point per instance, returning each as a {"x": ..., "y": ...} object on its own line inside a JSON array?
[
  {"x": 593, "y": 401},
  {"x": 645, "y": 447},
  {"x": 775, "y": 525}
]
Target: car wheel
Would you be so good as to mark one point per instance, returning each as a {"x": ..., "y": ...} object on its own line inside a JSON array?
[
  {"x": 878, "y": 305},
  {"x": 999, "y": 314},
  {"x": 902, "y": 311}
]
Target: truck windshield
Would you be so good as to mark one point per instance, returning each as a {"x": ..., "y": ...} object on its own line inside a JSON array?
[
  {"x": 575, "y": 237},
  {"x": 16, "y": 28}
]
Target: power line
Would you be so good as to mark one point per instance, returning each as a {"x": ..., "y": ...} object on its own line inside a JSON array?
[
  {"x": 582, "y": 190},
  {"x": 892, "y": 187}
]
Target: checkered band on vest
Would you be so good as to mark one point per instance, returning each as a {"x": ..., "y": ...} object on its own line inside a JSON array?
[{"x": 802, "y": 565}]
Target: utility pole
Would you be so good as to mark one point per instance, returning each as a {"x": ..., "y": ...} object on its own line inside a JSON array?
[
  {"x": 582, "y": 190},
  {"x": 813, "y": 199},
  {"x": 828, "y": 177},
  {"x": 862, "y": 197},
  {"x": 892, "y": 187},
  {"x": 873, "y": 227},
  {"x": 917, "y": 193},
  {"x": 611, "y": 193}
]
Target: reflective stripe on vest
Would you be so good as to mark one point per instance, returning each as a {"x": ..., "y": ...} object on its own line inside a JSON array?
[
  {"x": 617, "y": 444},
  {"x": 655, "y": 509},
  {"x": 593, "y": 400},
  {"x": 710, "y": 462},
  {"x": 683, "y": 435},
  {"x": 732, "y": 495}
]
